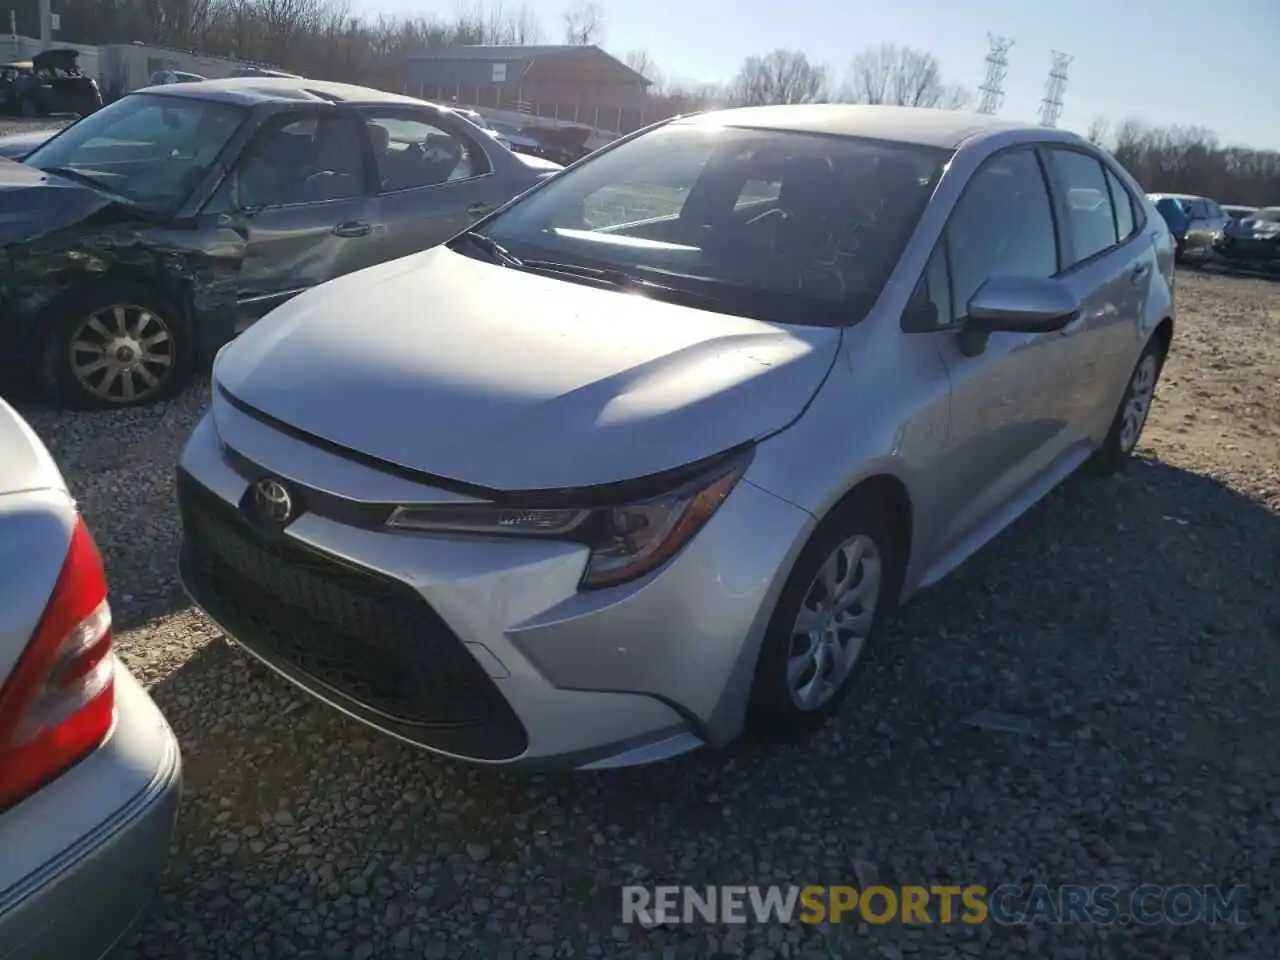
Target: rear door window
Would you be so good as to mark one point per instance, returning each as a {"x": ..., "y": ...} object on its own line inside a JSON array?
[
  {"x": 1091, "y": 218},
  {"x": 413, "y": 151}
]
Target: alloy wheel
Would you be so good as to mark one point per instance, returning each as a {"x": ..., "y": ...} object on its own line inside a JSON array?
[
  {"x": 834, "y": 622},
  {"x": 122, "y": 353},
  {"x": 1137, "y": 406}
]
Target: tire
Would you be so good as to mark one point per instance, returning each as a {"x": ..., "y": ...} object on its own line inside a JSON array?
[
  {"x": 775, "y": 711},
  {"x": 1130, "y": 419},
  {"x": 135, "y": 319}
]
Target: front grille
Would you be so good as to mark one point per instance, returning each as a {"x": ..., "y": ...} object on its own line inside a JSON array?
[{"x": 368, "y": 637}]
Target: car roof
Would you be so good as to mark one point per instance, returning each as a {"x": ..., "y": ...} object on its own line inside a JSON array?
[
  {"x": 252, "y": 91},
  {"x": 20, "y": 64},
  {"x": 919, "y": 125},
  {"x": 1176, "y": 196}
]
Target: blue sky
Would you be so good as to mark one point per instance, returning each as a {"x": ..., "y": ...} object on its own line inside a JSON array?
[{"x": 1187, "y": 62}]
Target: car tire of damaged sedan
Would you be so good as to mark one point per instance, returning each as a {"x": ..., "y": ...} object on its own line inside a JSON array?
[
  {"x": 1131, "y": 417},
  {"x": 831, "y": 609},
  {"x": 119, "y": 345}
]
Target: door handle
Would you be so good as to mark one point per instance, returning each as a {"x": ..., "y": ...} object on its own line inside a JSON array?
[
  {"x": 481, "y": 208},
  {"x": 353, "y": 228},
  {"x": 1140, "y": 273}
]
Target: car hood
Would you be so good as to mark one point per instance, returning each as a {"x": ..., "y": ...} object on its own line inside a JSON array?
[
  {"x": 508, "y": 380},
  {"x": 34, "y": 203},
  {"x": 18, "y": 145}
]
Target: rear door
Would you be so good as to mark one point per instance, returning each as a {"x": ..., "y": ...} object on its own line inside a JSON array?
[
  {"x": 1110, "y": 265},
  {"x": 434, "y": 178},
  {"x": 299, "y": 192}
]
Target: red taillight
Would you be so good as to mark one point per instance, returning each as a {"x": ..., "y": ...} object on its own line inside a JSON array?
[{"x": 58, "y": 703}]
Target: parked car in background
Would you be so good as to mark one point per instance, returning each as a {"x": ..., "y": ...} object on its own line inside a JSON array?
[
  {"x": 162, "y": 77},
  {"x": 50, "y": 82},
  {"x": 1252, "y": 242},
  {"x": 90, "y": 773},
  {"x": 479, "y": 120},
  {"x": 516, "y": 137},
  {"x": 1235, "y": 212},
  {"x": 563, "y": 145},
  {"x": 234, "y": 195},
  {"x": 721, "y": 395},
  {"x": 1196, "y": 222}
]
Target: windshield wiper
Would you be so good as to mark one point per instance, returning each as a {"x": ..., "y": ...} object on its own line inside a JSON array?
[
  {"x": 618, "y": 279},
  {"x": 496, "y": 251},
  {"x": 70, "y": 173}
]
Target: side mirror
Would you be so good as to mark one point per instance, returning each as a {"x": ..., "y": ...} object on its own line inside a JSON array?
[{"x": 1022, "y": 305}]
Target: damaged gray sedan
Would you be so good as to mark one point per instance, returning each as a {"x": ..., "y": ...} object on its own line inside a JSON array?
[{"x": 137, "y": 241}]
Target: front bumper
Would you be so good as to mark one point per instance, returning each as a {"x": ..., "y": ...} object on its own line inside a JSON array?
[
  {"x": 84, "y": 855},
  {"x": 481, "y": 649}
]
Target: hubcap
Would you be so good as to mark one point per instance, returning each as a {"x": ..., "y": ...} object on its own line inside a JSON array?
[
  {"x": 834, "y": 622},
  {"x": 1134, "y": 416},
  {"x": 122, "y": 353}
]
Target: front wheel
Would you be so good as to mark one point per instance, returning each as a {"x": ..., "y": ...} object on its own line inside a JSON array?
[
  {"x": 828, "y": 613},
  {"x": 1135, "y": 407},
  {"x": 120, "y": 346}
]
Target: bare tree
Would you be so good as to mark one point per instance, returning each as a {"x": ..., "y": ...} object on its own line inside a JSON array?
[
  {"x": 643, "y": 63},
  {"x": 783, "y": 76},
  {"x": 495, "y": 22},
  {"x": 902, "y": 77},
  {"x": 583, "y": 24},
  {"x": 1097, "y": 134}
]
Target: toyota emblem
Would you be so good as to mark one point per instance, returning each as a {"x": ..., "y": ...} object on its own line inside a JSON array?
[{"x": 272, "y": 500}]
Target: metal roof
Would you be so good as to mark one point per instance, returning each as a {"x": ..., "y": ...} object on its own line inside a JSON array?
[
  {"x": 251, "y": 91},
  {"x": 921, "y": 125}
]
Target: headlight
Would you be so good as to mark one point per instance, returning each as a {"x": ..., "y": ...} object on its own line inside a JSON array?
[{"x": 626, "y": 540}]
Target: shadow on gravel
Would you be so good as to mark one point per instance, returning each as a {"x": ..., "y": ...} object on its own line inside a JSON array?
[{"x": 1133, "y": 623}]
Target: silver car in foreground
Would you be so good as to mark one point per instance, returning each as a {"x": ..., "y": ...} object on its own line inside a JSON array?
[
  {"x": 89, "y": 770},
  {"x": 644, "y": 459}
]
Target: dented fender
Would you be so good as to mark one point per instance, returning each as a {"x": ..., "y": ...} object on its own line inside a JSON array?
[{"x": 58, "y": 240}]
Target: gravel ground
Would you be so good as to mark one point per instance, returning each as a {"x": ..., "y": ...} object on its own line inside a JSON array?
[
  {"x": 10, "y": 125},
  {"x": 1133, "y": 622}
]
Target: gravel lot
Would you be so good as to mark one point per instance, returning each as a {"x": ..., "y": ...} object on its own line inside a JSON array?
[{"x": 1134, "y": 622}]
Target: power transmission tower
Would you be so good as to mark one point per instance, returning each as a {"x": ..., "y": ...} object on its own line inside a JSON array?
[
  {"x": 1051, "y": 105},
  {"x": 997, "y": 67}
]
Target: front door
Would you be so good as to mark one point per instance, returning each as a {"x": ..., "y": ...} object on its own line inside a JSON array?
[
  {"x": 1008, "y": 414},
  {"x": 300, "y": 194}
]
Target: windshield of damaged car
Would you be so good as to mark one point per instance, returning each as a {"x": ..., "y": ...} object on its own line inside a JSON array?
[
  {"x": 789, "y": 227},
  {"x": 149, "y": 149}
]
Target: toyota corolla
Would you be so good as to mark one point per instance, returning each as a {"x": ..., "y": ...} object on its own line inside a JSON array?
[{"x": 643, "y": 460}]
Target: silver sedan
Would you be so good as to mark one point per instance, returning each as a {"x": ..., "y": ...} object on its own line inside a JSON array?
[
  {"x": 660, "y": 446},
  {"x": 89, "y": 770}
]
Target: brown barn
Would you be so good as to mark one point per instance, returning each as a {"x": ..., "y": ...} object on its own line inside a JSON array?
[{"x": 580, "y": 84}]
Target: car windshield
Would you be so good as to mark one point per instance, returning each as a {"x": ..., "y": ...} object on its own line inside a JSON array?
[
  {"x": 783, "y": 226},
  {"x": 1267, "y": 215},
  {"x": 149, "y": 149}
]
